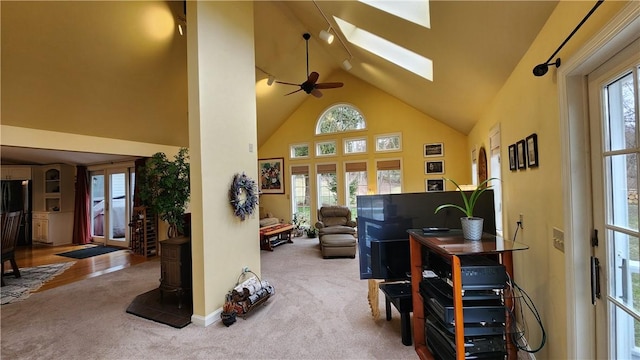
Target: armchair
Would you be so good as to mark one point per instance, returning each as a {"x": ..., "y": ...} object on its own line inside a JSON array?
[{"x": 335, "y": 220}]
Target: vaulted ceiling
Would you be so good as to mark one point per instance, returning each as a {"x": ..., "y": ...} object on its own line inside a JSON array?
[{"x": 474, "y": 46}]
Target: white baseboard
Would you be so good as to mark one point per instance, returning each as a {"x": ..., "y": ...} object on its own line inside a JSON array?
[{"x": 206, "y": 320}]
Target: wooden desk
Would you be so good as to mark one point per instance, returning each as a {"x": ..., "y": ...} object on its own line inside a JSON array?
[
  {"x": 450, "y": 245},
  {"x": 281, "y": 232}
]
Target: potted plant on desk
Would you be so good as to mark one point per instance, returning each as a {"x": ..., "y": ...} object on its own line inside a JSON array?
[{"x": 471, "y": 225}]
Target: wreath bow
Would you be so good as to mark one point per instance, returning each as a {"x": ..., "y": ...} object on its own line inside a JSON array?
[{"x": 243, "y": 196}]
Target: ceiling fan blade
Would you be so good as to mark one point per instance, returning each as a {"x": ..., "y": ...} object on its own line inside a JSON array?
[
  {"x": 313, "y": 77},
  {"x": 286, "y": 83},
  {"x": 317, "y": 93},
  {"x": 332, "y": 85},
  {"x": 293, "y": 92}
]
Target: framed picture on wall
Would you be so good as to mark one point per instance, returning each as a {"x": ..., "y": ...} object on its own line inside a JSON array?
[
  {"x": 522, "y": 154},
  {"x": 432, "y": 185},
  {"x": 513, "y": 157},
  {"x": 532, "y": 150},
  {"x": 271, "y": 172},
  {"x": 434, "y": 167},
  {"x": 434, "y": 149}
]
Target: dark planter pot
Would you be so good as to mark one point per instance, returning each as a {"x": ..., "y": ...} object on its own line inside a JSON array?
[{"x": 228, "y": 318}]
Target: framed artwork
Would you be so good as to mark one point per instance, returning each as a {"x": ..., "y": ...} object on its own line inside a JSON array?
[
  {"x": 432, "y": 185},
  {"x": 532, "y": 150},
  {"x": 433, "y": 149},
  {"x": 271, "y": 172},
  {"x": 434, "y": 167},
  {"x": 513, "y": 157},
  {"x": 522, "y": 154}
]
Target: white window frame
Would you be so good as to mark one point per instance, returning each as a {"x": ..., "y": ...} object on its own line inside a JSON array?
[
  {"x": 292, "y": 148},
  {"x": 348, "y": 140},
  {"x": 320, "y": 143},
  {"x": 390, "y": 135}
]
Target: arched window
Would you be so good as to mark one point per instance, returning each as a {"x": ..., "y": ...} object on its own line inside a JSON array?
[{"x": 339, "y": 118}]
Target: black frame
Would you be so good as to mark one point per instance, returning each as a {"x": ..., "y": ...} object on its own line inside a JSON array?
[
  {"x": 438, "y": 167},
  {"x": 428, "y": 150},
  {"x": 521, "y": 154},
  {"x": 431, "y": 182},
  {"x": 513, "y": 157},
  {"x": 532, "y": 150}
]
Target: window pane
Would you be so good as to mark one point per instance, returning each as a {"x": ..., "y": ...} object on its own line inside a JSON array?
[
  {"x": 620, "y": 109},
  {"x": 340, "y": 118},
  {"x": 389, "y": 181},
  {"x": 97, "y": 205},
  {"x": 621, "y": 171},
  {"x": 388, "y": 143},
  {"x": 301, "y": 200},
  {"x": 327, "y": 189},
  {"x": 299, "y": 151},
  {"x": 356, "y": 185},
  {"x": 355, "y": 146},
  {"x": 326, "y": 148}
]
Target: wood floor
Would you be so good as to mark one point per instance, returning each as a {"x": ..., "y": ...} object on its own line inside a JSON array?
[{"x": 83, "y": 268}]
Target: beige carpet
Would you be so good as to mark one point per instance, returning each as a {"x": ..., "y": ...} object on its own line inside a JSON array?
[{"x": 320, "y": 311}]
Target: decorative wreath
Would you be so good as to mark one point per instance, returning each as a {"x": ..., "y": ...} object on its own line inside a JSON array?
[{"x": 243, "y": 196}]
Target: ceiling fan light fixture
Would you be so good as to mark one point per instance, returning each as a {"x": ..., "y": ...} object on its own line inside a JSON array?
[
  {"x": 326, "y": 36},
  {"x": 346, "y": 64},
  {"x": 270, "y": 80}
]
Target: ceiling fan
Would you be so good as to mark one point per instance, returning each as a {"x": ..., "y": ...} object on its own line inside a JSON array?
[{"x": 310, "y": 86}]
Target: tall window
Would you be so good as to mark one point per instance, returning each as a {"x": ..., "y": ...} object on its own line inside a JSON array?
[
  {"x": 495, "y": 172},
  {"x": 355, "y": 178},
  {"x": 301, "y": 193},
  {"x": 389, "y": 174},
  {"x": 339, "y": 118},
  {"x": 327, "y": 184}
]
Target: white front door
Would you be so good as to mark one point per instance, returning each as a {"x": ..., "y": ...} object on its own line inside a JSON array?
[{"x": 615, "y": 153}]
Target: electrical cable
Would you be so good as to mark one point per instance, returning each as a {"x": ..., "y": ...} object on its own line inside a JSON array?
[{"x": 517, "y": 335}]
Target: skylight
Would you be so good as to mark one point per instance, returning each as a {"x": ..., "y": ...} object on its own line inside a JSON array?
[
  {"x": 415, "y": 11},
  {"x": 387, "y": 50}
]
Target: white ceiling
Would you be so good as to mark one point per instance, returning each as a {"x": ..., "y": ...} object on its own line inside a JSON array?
[{"x": 474, "y": 46}]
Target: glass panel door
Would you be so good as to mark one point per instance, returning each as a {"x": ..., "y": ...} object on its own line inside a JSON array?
[
  {"x": 97, "y": 207},
  {"x": 613, "y": 98},
  {"x": 118, "y": 208}
]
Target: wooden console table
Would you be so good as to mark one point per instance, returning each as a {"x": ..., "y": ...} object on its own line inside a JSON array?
[
  {"x": 451, "y": 245},
  {"x": 281, "y": 233}
]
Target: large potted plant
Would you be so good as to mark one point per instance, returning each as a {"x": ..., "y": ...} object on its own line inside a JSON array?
[
  {"x": 165, "y": 188},
  {"x": 471, "y": 225}
]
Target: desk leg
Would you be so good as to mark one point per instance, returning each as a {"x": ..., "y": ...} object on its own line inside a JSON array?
[
  {"x": 405, "y": 325},
  {"x": 387, "y": 307}
]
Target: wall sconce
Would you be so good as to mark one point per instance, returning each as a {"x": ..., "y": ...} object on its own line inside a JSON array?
[
  {"x": 326, "y": 36},
  {"x": 270, "y": 80}
]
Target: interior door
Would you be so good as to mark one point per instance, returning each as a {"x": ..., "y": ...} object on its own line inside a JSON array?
[
  {"x": 615, "y": 150},
  {"x": 98, "y": 202}
]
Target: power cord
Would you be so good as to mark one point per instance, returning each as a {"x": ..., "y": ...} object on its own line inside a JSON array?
[
  {"x": 519, "y": 295},
  {"x": 518, "y": 226}
]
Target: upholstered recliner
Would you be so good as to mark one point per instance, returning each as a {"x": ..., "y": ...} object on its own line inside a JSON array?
[
  {"x": 335, "y": 220},
  {"x": 336, "y": 232}
]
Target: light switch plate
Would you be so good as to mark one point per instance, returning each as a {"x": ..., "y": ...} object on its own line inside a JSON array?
[{"x": 558, "y": 239}]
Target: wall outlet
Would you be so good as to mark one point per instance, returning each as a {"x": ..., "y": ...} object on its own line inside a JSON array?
[
  {"x": 521, "y": 219},
  {"x": 558, "y": 239}
]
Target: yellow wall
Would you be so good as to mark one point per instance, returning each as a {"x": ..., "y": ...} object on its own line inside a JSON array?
[
  {"x": 527, "y": 104},
  {"x": 383, "y": 114}
]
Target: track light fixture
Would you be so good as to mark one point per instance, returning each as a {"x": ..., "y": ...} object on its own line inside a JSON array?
[
  {"x": 326, "y": 35},
  {"x": 270, "y": 80},
  {"x": 346, "y": 64},
  {"x": 541, "y": 69}
]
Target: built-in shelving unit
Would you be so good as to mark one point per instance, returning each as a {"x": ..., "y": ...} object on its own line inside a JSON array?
[
  {"x": 144, "y": 236},
  {"x": 53, "y": 203}
]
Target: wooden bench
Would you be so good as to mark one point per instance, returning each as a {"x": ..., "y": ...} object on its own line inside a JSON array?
[{"x": 275, "y": 235}]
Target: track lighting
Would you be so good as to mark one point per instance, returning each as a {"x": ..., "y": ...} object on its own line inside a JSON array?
[
  {"x": 346, "y": 64},
  {"x": 270, "y": 80},
  {"x": 326, "y": 36},
  {"x": 542, "y": 69}
]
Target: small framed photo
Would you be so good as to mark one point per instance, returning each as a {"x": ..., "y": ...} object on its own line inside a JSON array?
[
  {"x": 532, "y": 150},
  {"x": 522, "y": 154},
  {"x": 271, "y": 172},
  {"x": 434, "y": 149},
  {"x": 434, "y": 167},
  {"x": 432, "y": 185},
  {"x": 513, "y": 157}
]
